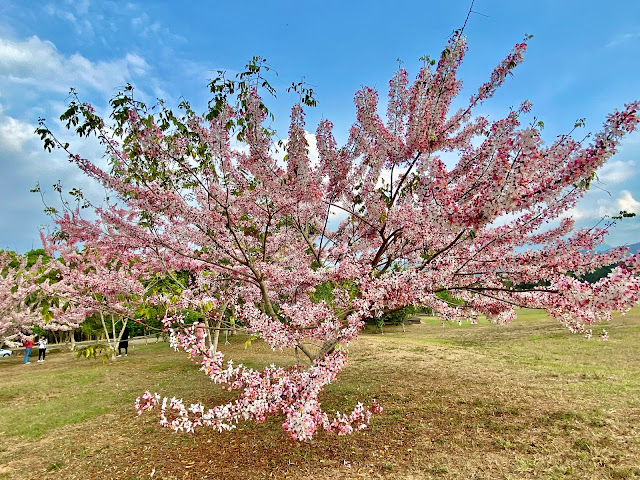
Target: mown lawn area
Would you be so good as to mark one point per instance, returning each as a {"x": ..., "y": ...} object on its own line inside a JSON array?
[{"x": 518, "y": 401}]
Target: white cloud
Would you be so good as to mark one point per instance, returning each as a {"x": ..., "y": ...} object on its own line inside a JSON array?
[
  {"x": 626, "y": 202},
  {"x": 279, "y": 152},
  {"x": 620, "y": 39},
  {"x": 631, "y": 140},
  {"x": 615, "y": 172},
  {"x": 38, "y": 63},
  {"x": 604, "y": 207},
  {"x": 79, "y": 21},
  {"x": 14, "y": 133},
  {"x": 140, "y": 21},
  {"x": 314, "y": 155},
  {"x": 81, "y": 6}
]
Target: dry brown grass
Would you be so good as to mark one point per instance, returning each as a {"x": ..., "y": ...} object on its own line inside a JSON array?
[{"x": 527, "y": 400}]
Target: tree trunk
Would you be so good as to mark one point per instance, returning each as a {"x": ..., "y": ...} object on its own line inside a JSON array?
[
  {"x": 112, "y": 341},
  {"x": 216, "y": 336},
  {"x": 326, "y": 349},
  {"x": 106, "y": 331},
  {"x": 117, "y": 341},
  {"x": 207, "y": 334},
  {"x": 216, "y": 333},
  {"x": 72, "y": 340}
]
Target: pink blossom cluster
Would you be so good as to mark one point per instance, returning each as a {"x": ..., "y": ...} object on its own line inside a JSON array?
[{"x": 292, "y": 391}]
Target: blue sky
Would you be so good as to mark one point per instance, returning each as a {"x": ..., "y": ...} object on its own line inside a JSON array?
[{"x": 582, "y": 62}]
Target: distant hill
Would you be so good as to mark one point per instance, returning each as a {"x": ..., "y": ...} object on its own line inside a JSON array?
[
  {"x": 604, "y": 271},
  {"x": 634, "y": 247}
]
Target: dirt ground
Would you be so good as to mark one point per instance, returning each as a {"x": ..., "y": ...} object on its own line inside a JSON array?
[{"x": 475, "y": 403}]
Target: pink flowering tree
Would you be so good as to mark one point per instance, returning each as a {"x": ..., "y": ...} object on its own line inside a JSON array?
[
  {"x": 20, "y": 295},
  {"x": 93, "y": 279},
  {"x": 377, "y": 224}
]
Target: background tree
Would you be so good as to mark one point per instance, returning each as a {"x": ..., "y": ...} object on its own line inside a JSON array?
[
  {"x": 94, "y": 282},
  {"x": 185, "y": 199},
  {"x": 20, "y": 283}
]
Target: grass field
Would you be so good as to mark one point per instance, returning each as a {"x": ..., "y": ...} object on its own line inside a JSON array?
[{"x": 525, "y": 400}]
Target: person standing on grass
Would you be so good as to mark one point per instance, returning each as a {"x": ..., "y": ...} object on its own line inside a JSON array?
[
  {"x": 124, "y": 342},
  {"x": 42, "y": 348},
  {"x": 28, "y": 345}
]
